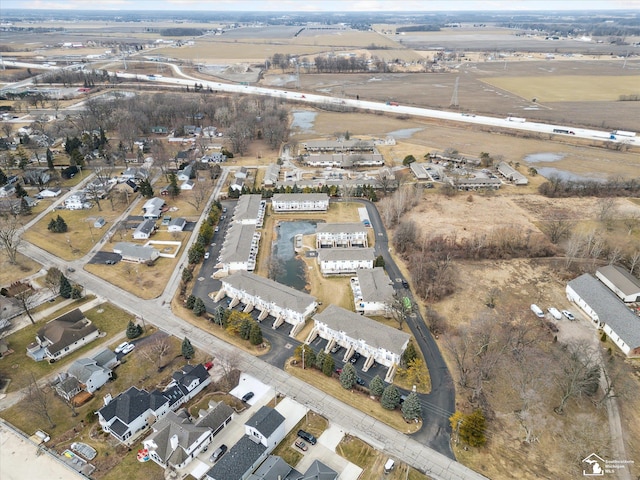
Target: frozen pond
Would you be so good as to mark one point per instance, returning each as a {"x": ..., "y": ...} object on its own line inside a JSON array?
[
  {"x": 290, "y": 270},
  {"x": 405, "y": 132},
  {"x": 543, "y": 157},
  {"x": 548, "y": 172},
  {"x": 303, "y": 120}
]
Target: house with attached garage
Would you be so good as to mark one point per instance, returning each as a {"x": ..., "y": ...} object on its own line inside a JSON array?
[
  {"x": 177, "y": 438},
  {"x": 357, "y": 333},
  {"x": 153, "y": 208},
  {"x": 621, "y": 282},
  {"x": 76, "y": 201},
  {"x": 263, "y": 431},
  {"x": 188, "y": 185},
  {"x": 372, "y": 291},
  {"x": 51, "y": 192},
  {"x": 144, "y": 230},
  {"x": 62, "y": 336},
  {"x": 90, "y": 375},
  {"x": 341, "y": 235},
  {"x": 177, "y": 224},
  {"x": 131, "y": 252},
  {"x": 607, "y": 312}
]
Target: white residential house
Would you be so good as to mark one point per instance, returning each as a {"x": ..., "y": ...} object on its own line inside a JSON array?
[
  {"x": 62, "y": 336},
  {"x": 272, "y": 175},
  {"x": 185, "y": 174},
  {"x": 621, "y": 282},
  {"x": 250, "y": 210},
  {"x": 341, "y": 235},
  {"x": 300, "y": 202},
  {"x": 242, "y": 173},
  {"x": 263, "y": 431},
  {"x": 90, "y": 375},
  {"x": 132, "y": 252},
  {"x": 144, "y": 230},
  {"x": 372, "y": 291},
  {"x": 177, "y": 438},
  {"x": 177, "y": 224},
  {"x": 357, "y": 333},
  {"x": 340, "y": 261},
  {"x": 285, "y": 304},
  {"x": 153, "y": 208},
  {"x": 51, "y": 192},
  {"x": 76, "y": 201},
  {"x": 607, "y": 312},
  {"x": 187, "y": 185},
  {"x": 7, "y": 190}
]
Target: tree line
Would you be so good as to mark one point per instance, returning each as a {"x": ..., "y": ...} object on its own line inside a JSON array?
[{"x": 557, "y": 187}]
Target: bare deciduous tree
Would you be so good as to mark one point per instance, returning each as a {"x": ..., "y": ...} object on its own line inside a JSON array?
[
  {"x": 400, "y": 308},
  {"x": 228, "y": 362},
  {"x": 557, "y": 226},
  {"x": 579, "y": 373},
  {"x": 199, "y": 193},
  {"x": 26, "y": 298},
  {"x": 10, "y": 238},
  {"x": 38, "y": 401},
  {"x": 156, "y": 350}
]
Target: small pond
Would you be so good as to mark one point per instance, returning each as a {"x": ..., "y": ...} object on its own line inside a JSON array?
[
  {"x": 290, "y": 270},
  {"x": 303, "y": 120}
]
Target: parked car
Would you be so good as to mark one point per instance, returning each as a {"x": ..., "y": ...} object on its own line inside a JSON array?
[
  {"x": 360, "y": 381},
  {"x": 71, "y": 269},
  {"x": 307, "y": 436},
  {"x": 356, "y": 356},
  {"x": 218, "y": 453},
  {"x": 110, "y": 262},
  {"x": 336, "y": 348},
  {"x": 120, "y": 347},
  {"x": 405, "y": 284},
  {"x": 247, "y": 396},
  {"x": 301, "y": 445},
  {"x": 208, "y": 365},
  {"x": 555, "y": 313},
  {"x": 568, "y": 315},
  {"x": 206, "y": 256},
  {"x": 537, "y": 310},
  {"x": 217, "y": 229},
  {"x": 128, "y": 347}
]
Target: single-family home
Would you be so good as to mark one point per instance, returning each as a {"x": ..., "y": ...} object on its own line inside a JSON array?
[
  {"x": 133, "y": 185},
  {"x": 621, "y": 282},
  {"x": 272, "y": 175},
  {"x": 50, "y": 192},
  {"x": 177, "y": 438},
  {"x": 153, "y": 208},
  {"x": 300, "y": 202},
  {"x": 357, "y": 333},
  {"x": 131, "y": 252},
  {"x": 187, "y": 185},
  {"x": 7, "y": 190},
  {"x": 284, "y": 303},
  {"x": 242, "y": 173},
  {"x": 263, "y": 431},
  {"x": 68, "y": 387},
  {"x": 90, "y": 375},
  {"x": 144, "y": 230},
  {"x": 237, "y": 184},
  {"x": 372, "y": 291},
  {"x": 159, "y": 130},
  {"x": 607, "y": 312},
  {"x": 177, "y": 224},
  {"x": 76, "y": 201},
  {"x": 190, "y": 380},
  {"x": 186, "y": 173},
  {"x": 341, "y": 235},
  {"x": 340, "y": 261},
  {"x": 63, "y": 335}
]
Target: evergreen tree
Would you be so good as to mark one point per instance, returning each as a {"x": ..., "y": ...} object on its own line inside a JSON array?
[
  {"x": 50, "y": 164},
  {"x": 411, "y": 408},
  {"x": 187, "y": 349},
  {"x": 57, "y": 225},
  {"x": 20, "y": 191},
  {"x": 320, "y": 357},
  {"x": 187, "y": 275},
  {"x": 348, "y": 376},
  {"x": 309, "y": 355},
  {"x": 3, "y": 177},
  {"x": 376, "y": 386},
  {"x": 409, "y": 354},
  {"x": 191, "y": 301},
  {"x": 173, "y": 189},
  {"x": 471, "y": 428},
  {"x": 146, "y": 189},
  {"x": 255, "y": 336},
  {"x": 245, "y": 328},
  {"x": 25, "y": 209},
  {"x": 379, "y": 262},
  {"x": 390, "y": 398},
  {"x": 199, "y": 307},
  {"x": 133, "y": 330},
  {"x": 328, "y": 365},
  {"x": 65, "y": 287}
]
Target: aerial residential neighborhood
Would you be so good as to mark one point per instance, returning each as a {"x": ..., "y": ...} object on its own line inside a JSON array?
[{"x": 345, "y": 242}]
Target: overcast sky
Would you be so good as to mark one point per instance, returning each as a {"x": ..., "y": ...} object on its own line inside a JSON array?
[{"x": 324, "y": 5}]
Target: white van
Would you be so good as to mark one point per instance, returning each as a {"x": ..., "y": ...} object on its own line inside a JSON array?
[
  {"x": 537, "y": 310},
  {"x": 389, "y": 465},
  {"x": 555, "y": 313}
]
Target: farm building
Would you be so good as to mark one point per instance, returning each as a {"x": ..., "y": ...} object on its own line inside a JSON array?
[
  {"x": 607, "y": 311},
  {"x": 621, "y": 282}
]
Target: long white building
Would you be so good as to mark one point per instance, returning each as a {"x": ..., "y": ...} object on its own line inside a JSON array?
[
  {"x": 271, "y": 298},
  {"x": 341, "y": 235},
  {"x": 372, "y": 291},
  {"x": 240, "y": 248},
  {"x": 340, "y": 261},
  {"x": 300, "y": 202},
  {"x": 357, "y": 333}
]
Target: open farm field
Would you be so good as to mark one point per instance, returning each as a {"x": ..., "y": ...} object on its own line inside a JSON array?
[{"x": 564, "y": 88}]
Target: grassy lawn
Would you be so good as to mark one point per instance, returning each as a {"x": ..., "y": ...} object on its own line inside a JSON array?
[
  {"x": 372, "y": 462},
  {"x": 19, "y": 367},
  {"x": 357, "y": 399},
  {"x": 23, "y": 267},
  {"x": 81, "y": 235},
  {"x": 312, "y": 423}
]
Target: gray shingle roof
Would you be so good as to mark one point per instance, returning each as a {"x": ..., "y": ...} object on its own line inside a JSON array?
[
  {"x": 319, "y": 471},
  {"x": 66, "y": 330},
  {"x": 270, "y": 291},
  {"x": 273, "y": 468},
  {"x": 247, "y": 207},
  {"x": 237, "y": 461},
  {"x": 188, "y": 374},
  {"x": 347, "y": 227},
  {"x": 83, "y": 369},
  {"x": 145, "y": 227},
  {"x": 375, "y": 285},
  {"x": 609, "y": 308},
  {"x": 300, "y": 197},
  {"x": 266, "y": 420},
  {"x": 178, "y": 425},
  {"x": 621, "y": 278},
  {"x": 337, "y": 254},
  {"x": 359, "y": 327},
  {"x": 237, "y": 243},
  {"x": 130, "y": 404},
  {"x": 133, "y": 250}
]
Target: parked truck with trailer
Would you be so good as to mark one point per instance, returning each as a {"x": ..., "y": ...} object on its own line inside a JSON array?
[
  {"x": 564, "y": 130},
  {"x": 623, "y": 133}
]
